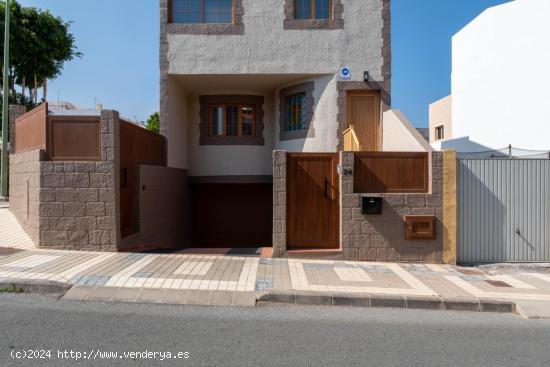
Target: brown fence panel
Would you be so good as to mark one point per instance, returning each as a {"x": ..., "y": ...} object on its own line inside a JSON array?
[
  {"x": 391, "y": 172},
  {"x": 30, "y": 129},
  {"x": 75, "y": 138},
  {"x": 137, "y": 146}
]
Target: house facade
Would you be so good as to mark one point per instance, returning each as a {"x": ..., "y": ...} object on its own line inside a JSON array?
[
  {"x": 276, "y": 131},
  {"x": 242, "y": 78},
  {"x": 259, "y": 101}
]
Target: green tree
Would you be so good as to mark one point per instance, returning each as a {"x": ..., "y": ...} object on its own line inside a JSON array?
[
  {"x": 40, "y": 44},
  {"x": 153, "y": 123}
]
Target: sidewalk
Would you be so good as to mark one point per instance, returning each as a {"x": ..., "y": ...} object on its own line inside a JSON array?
[{"x": 244, "y": 280}]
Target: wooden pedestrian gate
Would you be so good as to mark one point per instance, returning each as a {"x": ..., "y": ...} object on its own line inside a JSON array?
[
  {"x": 312, "y": 201},
  {"x": 503, "y": 210}
]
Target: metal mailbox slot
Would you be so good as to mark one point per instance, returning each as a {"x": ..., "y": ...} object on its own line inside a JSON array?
[
  {"x": 419, "y": 227},
  {"x": 371, "y": 205}
]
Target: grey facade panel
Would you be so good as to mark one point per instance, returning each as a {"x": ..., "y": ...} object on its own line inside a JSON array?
[{"x": 503, "y": 210}]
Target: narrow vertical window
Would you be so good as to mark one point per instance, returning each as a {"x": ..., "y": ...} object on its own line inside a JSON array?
[
  {"x": 440, "y": 132},
  {"x": 217, "y": 121},
  {"x": 295, "y": 112},
  {"x": 247, "y": 120}
]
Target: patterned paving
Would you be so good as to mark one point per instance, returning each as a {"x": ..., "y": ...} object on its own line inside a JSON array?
[
  {"x": 11, "y": 234},
  {"x": 215, "y": 272},
  {"x": 236, "y": 273}
]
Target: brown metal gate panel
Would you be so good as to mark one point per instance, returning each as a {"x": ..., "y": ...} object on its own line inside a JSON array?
[
  {"x": 137, "y": 146},
  {"x": 312, "y": 201}
]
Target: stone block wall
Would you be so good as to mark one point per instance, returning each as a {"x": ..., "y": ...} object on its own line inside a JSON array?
[
  {"x": 279, "y": 203},
  {"x": 71, "y": 204},
  {"x": 382, "y": 237},
  {"x": 14, "y": 112}
]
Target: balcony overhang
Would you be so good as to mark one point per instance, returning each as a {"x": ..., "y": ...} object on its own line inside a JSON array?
[{"x": 264, "y": 83}]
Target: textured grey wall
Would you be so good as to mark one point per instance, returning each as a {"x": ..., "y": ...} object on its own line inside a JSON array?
[{"x": 71, "y": 204}]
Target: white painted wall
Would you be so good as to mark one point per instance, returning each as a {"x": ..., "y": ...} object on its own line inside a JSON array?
[
  {"x": 230, "y": 160},
  {"x": 501, "y": 76},
  {"x": 398, "y": 134},
  {"x": 441, "y": 115},
  {"x": 324, "y": 122}
]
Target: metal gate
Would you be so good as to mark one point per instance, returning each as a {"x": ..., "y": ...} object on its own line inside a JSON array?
[{"x": 503, "y": 210}]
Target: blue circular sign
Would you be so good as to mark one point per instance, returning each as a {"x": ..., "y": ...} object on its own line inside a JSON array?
[{"x": 345, "y": 73}]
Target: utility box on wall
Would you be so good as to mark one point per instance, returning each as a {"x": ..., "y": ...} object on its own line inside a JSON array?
[
  {"x": 371, "y": 205},
  {"x": 419, "y": 227}
]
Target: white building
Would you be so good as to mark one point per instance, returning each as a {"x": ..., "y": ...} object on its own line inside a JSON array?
[{"x": 500, "y": 78}]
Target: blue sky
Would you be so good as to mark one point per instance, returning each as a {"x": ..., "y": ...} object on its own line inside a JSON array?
[{"x": 119, "y": 39}]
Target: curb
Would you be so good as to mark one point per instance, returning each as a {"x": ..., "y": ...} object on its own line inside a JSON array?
[
  {"x": 46, "y": 287},
  {"x": 388, "y": 301}
]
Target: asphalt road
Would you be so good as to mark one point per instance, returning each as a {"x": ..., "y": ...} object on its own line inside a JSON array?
[{"x": 265, "y": 336}]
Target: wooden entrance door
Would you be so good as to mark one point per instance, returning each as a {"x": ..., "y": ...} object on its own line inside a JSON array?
[
  {"x": 364, "y": 115},
  {"x": 312, "y": 201}
]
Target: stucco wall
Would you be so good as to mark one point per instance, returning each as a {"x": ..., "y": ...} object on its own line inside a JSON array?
[
  {"x": 265, "y": 48},
  {"x": 163, "y": 209},
  {"x": 270, "y": 49},
  {"x": 177, "y": 121},
  {"x": 398, "y": 134},
  {"x": 440, "y": 113},
  {"x": 324, "y": 121},
  {"x": 500, "y": 76},
  {"x": 228, "y": 160}
]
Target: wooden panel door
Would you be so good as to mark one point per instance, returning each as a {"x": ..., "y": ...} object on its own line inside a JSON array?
[
  {"x": 364, "y": 114},
  {"x": 312, "y": 201}
]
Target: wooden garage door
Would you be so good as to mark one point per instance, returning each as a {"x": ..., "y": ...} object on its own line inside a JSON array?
[
  {"x": 232, "y": 215},
  {"x": 312, "y": 201}
]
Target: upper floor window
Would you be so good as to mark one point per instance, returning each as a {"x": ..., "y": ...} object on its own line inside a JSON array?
[
  {"x": 312, "y": 9},
  {"x": 440, "y": 132},
  {"x": 202, "y": 11}
]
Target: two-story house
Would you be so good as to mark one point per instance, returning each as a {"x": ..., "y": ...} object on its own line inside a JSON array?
[{"x": 242, "y": 78}]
